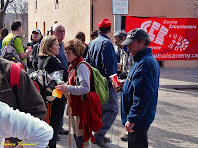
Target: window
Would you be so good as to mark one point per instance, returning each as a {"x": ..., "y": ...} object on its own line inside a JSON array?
[
  {"x": 36, "y": 5},
  {"x": 44, "y": 28},
  {"x": 56, "y": 4}
]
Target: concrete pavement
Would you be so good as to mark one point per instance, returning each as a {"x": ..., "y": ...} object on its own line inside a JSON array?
[{"x": 176, "y": 122}]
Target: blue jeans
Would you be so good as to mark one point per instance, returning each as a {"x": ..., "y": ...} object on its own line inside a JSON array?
[
  {"x": 138, "y": 139},
  {"x": 109, "y": 113}
]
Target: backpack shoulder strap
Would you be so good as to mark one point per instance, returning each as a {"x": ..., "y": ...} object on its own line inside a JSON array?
[
  {"x": 86, "y": 63},
  {"x": 12, "y": 40},
  {"x": 91, "y": 74},
  {"x": 45, "y": 62},
  {"x": 15, "y": 72}
]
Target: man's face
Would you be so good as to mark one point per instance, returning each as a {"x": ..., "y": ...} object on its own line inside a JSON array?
[
  {"x": 36, "y": 36},
  {"x": 136, "y": 46},
  {"x": 117, "y": 41},
  {"x": 60, "y": 33},
  {"x": 20, "y": 30}
]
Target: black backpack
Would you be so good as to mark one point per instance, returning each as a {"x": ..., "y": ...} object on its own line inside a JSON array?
[{"x": 46, "y": 81}]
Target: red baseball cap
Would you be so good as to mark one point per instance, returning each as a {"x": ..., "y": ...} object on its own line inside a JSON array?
[{"x": 105, "y": 23}]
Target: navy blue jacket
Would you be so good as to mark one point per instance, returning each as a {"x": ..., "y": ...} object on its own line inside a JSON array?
[
  {"x": 61, "y": 56},
  {"x": 101, "y": 55},
  {"x": 140, "y": 90}
]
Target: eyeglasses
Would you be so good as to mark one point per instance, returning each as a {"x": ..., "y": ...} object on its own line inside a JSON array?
[
  {"x": 69, "y": 53},
  {"x": 117, "y": 41}
]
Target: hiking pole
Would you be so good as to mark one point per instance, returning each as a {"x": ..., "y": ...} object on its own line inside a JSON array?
[{"x": 69, "y": 116}]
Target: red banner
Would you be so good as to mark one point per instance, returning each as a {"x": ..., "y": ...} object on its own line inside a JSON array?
[{"x": 171, "y": 38}]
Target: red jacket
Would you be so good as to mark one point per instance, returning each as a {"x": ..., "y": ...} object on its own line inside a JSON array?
[{"x": 90, "y": 119}]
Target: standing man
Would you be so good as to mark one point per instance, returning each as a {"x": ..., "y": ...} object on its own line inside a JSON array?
[
  {"x": 102, "y": 56},
  {"x": 16, "y": 30},
  {"x": 125, "y": 60},
  {"x": 59, "y": 32},
  {"x": 32, "y": 63},
  {"x": 140, "y": 90}
]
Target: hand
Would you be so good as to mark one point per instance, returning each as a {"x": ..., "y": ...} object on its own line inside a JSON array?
[
  {"x": 62, "y": 87},
  {"x": 121, "y": 83},
  {"x": 61, "y": 82},
  {"x": 29, "y": 51},
  {"x": 129, "y": 126}
]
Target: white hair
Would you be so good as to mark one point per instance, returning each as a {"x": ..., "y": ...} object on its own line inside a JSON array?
[{"x": 55, "y": 26}]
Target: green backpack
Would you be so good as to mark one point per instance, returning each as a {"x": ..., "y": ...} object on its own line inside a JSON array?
[{"x": 99, "y": 83}]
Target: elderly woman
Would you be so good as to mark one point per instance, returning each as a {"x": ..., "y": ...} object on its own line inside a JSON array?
[
  {"x": 74, "y": 51},
  {"x": 50, "y": 48},
  {"x": 79, "y": 87}
]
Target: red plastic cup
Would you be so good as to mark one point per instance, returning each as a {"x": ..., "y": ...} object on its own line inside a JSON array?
[
  {"x": 29, "y": 47},
  {"x": 114, "y": 79}
]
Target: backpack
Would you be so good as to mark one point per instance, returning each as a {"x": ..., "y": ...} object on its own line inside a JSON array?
[
  {"x": 45, "y": 81},
  {"x": 15, "y": 73},
  {"x": 99, "y": 83},
  {"x": 9, "y": 52}
]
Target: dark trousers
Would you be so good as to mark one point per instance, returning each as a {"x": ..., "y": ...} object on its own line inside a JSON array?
[
  {"x": 57, "y": 112},
  {"x": 138, "y": 139}
]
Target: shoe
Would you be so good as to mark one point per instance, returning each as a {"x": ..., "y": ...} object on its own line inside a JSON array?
[
  {"x": 106, "y": 139},
  {"x": 124, "y": 138},
  {"x": 63, "y": 131},
  {"x": 101, "y": 144},
  {"x": 58, "y": 138}
]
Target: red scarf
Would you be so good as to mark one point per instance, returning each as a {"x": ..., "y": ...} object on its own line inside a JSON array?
[
  {"x": 75, "y": 63},
  {"x": 76, "y": 101}
]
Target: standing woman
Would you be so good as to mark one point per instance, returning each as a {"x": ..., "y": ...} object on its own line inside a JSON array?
[
  {"x": 78, "y": 85},
  {"x": 50, "y": 48}
]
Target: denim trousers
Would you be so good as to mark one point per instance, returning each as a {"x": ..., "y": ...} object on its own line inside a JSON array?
[{"x": 109, "y": 113}]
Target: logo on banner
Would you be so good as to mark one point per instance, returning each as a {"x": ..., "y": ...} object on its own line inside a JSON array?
[
  {"x": 157, "y": 31},
  {"x": 178, "y": 42}
]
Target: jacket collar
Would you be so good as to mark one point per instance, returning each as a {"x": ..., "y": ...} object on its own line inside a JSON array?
[
  {"x": 142, "y": 53},
  {"x": 104, "y": 36}
]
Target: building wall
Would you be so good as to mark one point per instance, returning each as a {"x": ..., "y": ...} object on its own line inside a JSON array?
[
  {"x": 74, "y": 15},
  {"x": 160, "y": 8},
  {"x": 103, "y": 9}
]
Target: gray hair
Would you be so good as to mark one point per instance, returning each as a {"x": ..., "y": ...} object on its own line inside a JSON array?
[
  {"x": 120, "y": 34},
  {"x": 55, "y": 26}
]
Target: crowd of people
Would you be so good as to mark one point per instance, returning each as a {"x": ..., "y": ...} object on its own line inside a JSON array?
[{"x": 128, "y": 56}]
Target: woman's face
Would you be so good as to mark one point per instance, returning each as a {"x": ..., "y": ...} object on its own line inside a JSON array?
[
  {"x": 70, "y": 55},
  {"x": 55, "y": 48}
]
